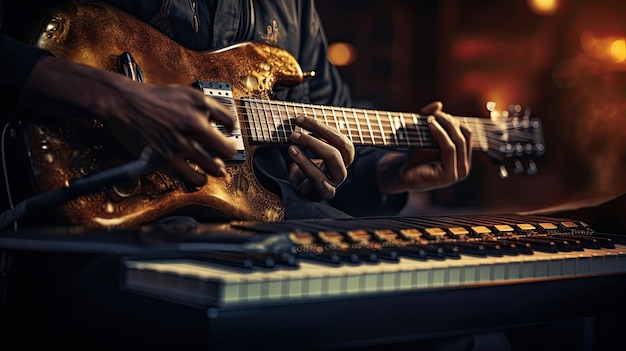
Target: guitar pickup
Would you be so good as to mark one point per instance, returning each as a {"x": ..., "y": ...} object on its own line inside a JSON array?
[{"x": 223, "y": 94}]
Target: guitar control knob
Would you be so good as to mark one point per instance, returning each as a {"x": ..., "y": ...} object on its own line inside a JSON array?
[
  {"x": 518, "y": 168},
  {"x": 125, "y": 190},
  {"x": 532, "y": 168},
  {"x": 188, "y": 187}
]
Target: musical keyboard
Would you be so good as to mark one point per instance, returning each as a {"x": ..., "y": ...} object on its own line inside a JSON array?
[
  {"x": 327, "y": 284},
  {"x": 464, "y": 252}
]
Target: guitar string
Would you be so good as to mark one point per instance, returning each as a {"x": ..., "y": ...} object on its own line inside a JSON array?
[
  {"x": 398, "y": 134},
  {"x": 493, "y": 138},
  {"x": 423, "y": 127},
  {"x": 486, "y": 124},
  {"x": 489, "y": 127}
]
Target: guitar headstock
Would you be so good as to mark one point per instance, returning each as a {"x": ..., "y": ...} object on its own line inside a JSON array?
[{"x": 515, "y": 138}]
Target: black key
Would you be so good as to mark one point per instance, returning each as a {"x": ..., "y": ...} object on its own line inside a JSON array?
[
  {"x": 469, "y": 248},
  {"x": 364, "y": 254},
  {"x": 325, "y": 256},
  {"x": 412, "y": 251},
  {"x": 605, "y": 242},
  {"x": 594, "y": 242},
  {"x": 539, "y": 245},
  {"x": 345, "y": 255},
  {"x": 442, "y": 251},
  {"x": 494, "y": 248},
  {"x": 560, "y": 243},
  {"x": 521, "y": 248},
  {"x": 573, "y": 243},
  {"x": 285, "y": 259},
  {"x": 387, "y": 253}
]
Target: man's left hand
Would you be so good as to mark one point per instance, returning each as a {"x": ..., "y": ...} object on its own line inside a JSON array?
[{"x": 318, "y": 178}]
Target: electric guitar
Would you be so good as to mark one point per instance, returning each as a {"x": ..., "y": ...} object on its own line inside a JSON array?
[{"x": 240, "y": 76}]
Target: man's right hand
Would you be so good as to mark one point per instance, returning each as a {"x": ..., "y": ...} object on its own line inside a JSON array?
[{"x": 174, "y": 121}]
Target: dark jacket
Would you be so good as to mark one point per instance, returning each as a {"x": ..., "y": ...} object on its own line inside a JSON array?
[{"x": 207, "y": 25}]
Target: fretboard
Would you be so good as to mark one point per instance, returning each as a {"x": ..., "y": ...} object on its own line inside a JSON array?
[{"x": 272, "y": 122}]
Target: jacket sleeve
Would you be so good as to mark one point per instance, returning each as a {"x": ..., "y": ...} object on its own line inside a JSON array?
[
  {"x": 358, "y": 195},
  {"x": 17, "y": 60}
]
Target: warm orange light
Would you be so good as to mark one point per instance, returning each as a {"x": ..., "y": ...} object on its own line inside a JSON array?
[
  {"x": 608, "y": 48},
  {"x": 341, "y": 54},
  {"x": 618, "y": 50},
  {"x": 543, "y": 7}
]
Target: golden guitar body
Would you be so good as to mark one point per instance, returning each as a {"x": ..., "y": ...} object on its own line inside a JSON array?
[{"x": 96, "y": 35}]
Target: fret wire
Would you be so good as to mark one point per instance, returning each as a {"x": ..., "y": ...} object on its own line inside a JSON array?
[
  {"x": 291, "y": 114},
  {"x": 369, "y": 126},
  {"x": 323, "y": 111},
  {"x": 339, "y": 128},
  {"x": 358, "y": 125},
  {"x": 313, "y": 111},
  {"x": 264, "y": 122},
  {"x": 345, "y": 118},
  {"x": 286, "y": 121},
  {"x": 269, "y": 116},
  {"x": 254, "y": 122},
  {"x": 280, "y": 129},
  {"x": 257, "y": 122},
  {"x": 242, "y": 117},
  {"x": 477, "y": 137},
  {"x": 480, "y": 132},
  {"x": 251, "y": 121},
  {"x": 393, "y": 128},
  {"x": 258, "y": 126},
  {"x": 303, "y": 107},
  {"x": 277, "y": 121},
  {"x": 295, "y": 114},
  {"x": 270, "y": 123},
  {"x": 416, "y": 124},
  {"x": 404, "y": 130},
  {"x": 380, "y": 126}
]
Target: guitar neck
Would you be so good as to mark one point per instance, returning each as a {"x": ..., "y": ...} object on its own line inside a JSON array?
[{"x": 272, "y": 122}]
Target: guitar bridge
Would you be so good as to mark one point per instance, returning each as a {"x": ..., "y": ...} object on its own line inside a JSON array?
[{"x": 224, "y": 95}]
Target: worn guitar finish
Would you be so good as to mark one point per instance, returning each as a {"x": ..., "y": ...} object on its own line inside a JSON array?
[{"x": 96, "y": 35}]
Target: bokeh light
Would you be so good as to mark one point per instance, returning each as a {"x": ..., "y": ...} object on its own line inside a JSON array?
[
  {"x": 603, "y": 47},
  {"x": 618, "y": 50},
  {"x": 543, "y": 7},
  {"x": 341, "y": 54}
]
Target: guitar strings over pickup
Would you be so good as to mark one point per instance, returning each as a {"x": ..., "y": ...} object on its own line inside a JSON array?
[{"x": 223, "y": 94}]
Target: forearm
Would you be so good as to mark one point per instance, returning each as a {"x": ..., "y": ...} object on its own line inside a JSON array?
[
  {"x": 58, "y": 88},
  {"x": 17, "y": 60}
]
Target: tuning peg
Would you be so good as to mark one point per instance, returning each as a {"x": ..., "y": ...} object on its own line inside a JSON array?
[
  {"x": 514, "y": 110},
  {"x": 532, "y": 167},
  {"x": 503, "y": 172},
  {"x": 527, "y": 111},
  {"x": 517, "y": 167}
]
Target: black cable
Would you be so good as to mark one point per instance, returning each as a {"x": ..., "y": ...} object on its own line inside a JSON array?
[{"x": 79, "y": 187}]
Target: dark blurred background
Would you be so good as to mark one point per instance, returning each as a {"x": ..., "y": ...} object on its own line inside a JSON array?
[{"x": 566, "y": 60}]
